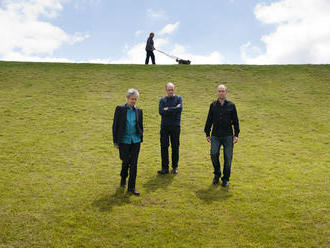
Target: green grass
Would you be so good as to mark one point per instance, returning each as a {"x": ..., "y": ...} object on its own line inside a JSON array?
[{"x": 60, "y": 173}]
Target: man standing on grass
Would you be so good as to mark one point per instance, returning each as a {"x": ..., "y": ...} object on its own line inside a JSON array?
[
  {"x": 150, "y": 49},
  {"x": 222, "y": 116},
  {"x": 170, "y": 108}
]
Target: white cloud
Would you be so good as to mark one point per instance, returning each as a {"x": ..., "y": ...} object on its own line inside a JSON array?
[
  {"x": 139, "y": 32},
  {"x": 25, "y": 58},
  {"x": 133, "y": 55},
  {"x": 214, "y": 57},
  {"x": 302, "y": 34},
  {"x": 248, "y": 51},
  {"x": 26, "y": 36},
  {"x": 169, "y": 28},
  {"x": 156, "y": 14},
  {"x": 14, "y": 56}
]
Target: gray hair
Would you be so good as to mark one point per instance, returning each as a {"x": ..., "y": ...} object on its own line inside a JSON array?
[
  {"x": 222, "y": 86},
  {"x": 169, "y": 84},
  {"x": 132, "y": 92}
]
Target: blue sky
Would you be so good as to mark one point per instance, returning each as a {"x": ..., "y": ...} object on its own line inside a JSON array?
[{"x": 209, "y": 31}]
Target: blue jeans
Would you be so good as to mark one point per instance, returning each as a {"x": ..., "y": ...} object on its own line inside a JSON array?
[{"x": 228, "y": 145}]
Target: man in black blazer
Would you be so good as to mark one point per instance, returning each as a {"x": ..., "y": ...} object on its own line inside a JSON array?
[{"x": 127, "y": 132}]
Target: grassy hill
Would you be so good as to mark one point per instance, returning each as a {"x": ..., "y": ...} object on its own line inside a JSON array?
[{"x": 59, "y": 178}]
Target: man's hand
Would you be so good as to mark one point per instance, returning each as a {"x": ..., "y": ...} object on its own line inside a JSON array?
[
  {"x": 235, "y": 139},
  {"x": 208, "y": 138},
  {"x": 178, "y": 106},
  {"x": 166, "y": 108},
  {"x": 116, "y": 146}
]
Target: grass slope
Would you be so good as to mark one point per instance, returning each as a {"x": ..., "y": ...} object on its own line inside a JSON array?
[{"x": 60, "y": 173}]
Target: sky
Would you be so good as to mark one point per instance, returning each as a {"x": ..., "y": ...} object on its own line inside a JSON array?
[{"x": 203, "y": 31}]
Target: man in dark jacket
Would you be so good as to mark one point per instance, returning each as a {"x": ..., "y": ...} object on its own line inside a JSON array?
[
  {"x": 150, "y": 49},
  {"x": 222, "y": 116},
  {"x": 170, "y": 108},
  {"x": 127, "y": 132}
]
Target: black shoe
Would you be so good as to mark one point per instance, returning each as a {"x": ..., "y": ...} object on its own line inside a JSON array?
[
  {"x": 225, "y": 183},
  {"x": 133, "y": 191},
  {"x": 215, "y": 180},
  {"x": 162, "y": 172},
  {"x": 123, "y": 182},
  {"x": 175, "y": 171}
]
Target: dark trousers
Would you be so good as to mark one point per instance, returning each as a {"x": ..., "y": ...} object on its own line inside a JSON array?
[
  {"x": 167, "y": 134},
  {"x": 152, "y": 55},
  {"x": 129, "y": 155},
  {"x": 228, "y": 146}
]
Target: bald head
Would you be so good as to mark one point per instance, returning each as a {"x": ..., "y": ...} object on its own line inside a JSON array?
[
  {"x": 170, "y": 88},
  {"x": 222, "y": 86},
  {"x": 222, "y": 92}
]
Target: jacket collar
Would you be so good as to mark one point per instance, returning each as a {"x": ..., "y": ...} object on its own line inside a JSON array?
[
  {"x": 226, "y": 101},
  {"x": 127, "y": 107}
]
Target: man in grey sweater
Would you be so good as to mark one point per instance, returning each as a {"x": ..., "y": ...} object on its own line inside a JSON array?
[{"x": 150, "y": 49}]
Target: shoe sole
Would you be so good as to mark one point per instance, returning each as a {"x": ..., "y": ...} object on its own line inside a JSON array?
[{"x": 162, "y": 173}]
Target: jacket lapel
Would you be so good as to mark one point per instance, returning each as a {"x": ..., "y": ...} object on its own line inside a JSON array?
[
  {"x": 137, "y": 115},
  {"x": 125, "y": 112}
]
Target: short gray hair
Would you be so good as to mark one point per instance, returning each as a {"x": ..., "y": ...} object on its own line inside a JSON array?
[
  {"x": 222, "y": 86},
  {"x": 169, "y": 83},
  {"x": 132, "y": 92}
]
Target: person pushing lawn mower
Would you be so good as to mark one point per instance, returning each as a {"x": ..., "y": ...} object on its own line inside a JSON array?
[
  {"x": 150, "y": 49},
  {"x": 150, "y": 53}
]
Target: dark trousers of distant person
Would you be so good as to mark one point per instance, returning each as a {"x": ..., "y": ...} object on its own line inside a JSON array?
[
  {"x": 228, "y": 145},
  {"x": 167, "y": 134},
  {"x": 129, "y": 154},
  {"x": 152, "y": 55}
]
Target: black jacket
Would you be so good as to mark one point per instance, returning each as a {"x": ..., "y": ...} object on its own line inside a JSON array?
[
  {"x": 119, "y": 123},
  {"x": 150, "y": 44},
  {"x": 222, "y": 117}
]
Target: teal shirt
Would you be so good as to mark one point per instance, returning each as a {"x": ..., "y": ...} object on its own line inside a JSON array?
[{"x": 131, "y": 136}]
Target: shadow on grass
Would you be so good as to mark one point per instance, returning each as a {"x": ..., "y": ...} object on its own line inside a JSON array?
[
  {"x": 213, "y": 193},
  {"x": 107, "y": 202},
  {"x": 159, "y": 181}
]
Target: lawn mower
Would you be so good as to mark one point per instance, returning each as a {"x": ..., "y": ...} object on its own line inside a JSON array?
[{"x": 180, "y": 61}]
